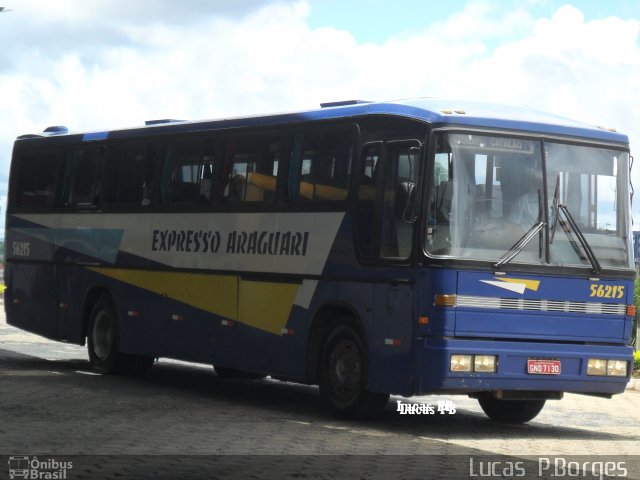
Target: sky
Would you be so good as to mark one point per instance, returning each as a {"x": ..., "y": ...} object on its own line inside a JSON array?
[{"x": 102, "y": 64}]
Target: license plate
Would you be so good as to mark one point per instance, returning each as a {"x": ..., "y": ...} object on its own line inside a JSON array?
[{"x": 543, "y": 367}]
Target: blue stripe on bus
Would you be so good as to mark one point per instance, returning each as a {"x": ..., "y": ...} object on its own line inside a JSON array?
[
  {"x": 102, "y": 244},
  {"x": 95, "y": 136}
]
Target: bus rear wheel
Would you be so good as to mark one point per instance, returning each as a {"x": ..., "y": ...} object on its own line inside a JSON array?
[
  {"x": 103, "y": 343},
  {"x": 510, "y": 411},
  {"x": 343, "y": 376}
]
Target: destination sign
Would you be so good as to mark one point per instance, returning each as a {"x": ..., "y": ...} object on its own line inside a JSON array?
[{"x": 501, "y": 144}]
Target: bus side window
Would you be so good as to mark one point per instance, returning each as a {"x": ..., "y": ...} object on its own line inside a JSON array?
[
  {"x": 81, "y": 186},
  {"x": 188, "y": 173},
  {"x": 36, "y": 181},
  {"x": 321, "y": 166},
  {"x": 251, "y": 169},
  {"x": 131, "y": 174}
]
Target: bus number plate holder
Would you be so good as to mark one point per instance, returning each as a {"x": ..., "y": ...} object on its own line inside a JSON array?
[{"x": 543, "y": 367}]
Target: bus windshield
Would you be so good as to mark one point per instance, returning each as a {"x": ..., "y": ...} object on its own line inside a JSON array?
[{"x": 488, "y": 202}]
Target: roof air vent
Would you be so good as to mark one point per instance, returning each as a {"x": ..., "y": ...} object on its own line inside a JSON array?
[
  {"x": 56, "y": 130},
  {"x": 161, "y": 121},
  {"x": 343, "y": 103}
]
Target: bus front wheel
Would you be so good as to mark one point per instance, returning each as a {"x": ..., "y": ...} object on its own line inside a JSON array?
[
  {"x": 510, "y": 411},
  {"x": 343, "y": 375}
]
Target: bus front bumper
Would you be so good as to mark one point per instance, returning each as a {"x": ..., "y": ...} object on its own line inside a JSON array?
[{"x": 515, "y": 366}]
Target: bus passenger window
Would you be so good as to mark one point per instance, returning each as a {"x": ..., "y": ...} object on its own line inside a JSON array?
[
  {"x": 251, "y": 169},
  {"x": 188, "y": 173},
  {"x": 36, "y": 181},
  {"x": 131, "y": 174},
  {"x": 81, "y": 184},
  {"x": 321, "y": 166}
]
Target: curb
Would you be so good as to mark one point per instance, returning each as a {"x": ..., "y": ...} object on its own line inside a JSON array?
[{"x": 634, "y": 384}]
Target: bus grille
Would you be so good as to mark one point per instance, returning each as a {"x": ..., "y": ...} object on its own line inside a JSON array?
[{"x": 540, "y": 305}]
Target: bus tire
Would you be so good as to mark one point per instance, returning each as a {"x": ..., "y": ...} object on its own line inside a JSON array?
[
  {"x": 343, "y": 376},
  {"x": 103, "y": 337},
  {"x": 510, "y": 411}
]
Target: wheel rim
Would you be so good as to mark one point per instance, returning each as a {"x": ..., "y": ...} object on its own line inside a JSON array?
[
  {"x": 102, "y": 334},
  {"x": 345, "y": 369}
]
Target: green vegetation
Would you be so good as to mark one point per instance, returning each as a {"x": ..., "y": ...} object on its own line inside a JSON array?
[{"x": 636, "y": 302}]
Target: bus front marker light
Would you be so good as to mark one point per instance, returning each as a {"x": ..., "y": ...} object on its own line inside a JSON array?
[
  {"x": 617, "y": 368},
  {"x": 445, "y": 300},
  {"x": 485, "y": 363},
  {"x": 461, "y": 363},
  {"x": 597, "y": 366}
]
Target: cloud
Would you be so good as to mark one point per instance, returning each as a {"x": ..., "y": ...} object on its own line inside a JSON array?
[{"x": 107, "y": 64}]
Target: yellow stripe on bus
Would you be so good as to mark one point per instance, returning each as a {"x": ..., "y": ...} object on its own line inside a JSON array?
[{"x": 266, "y": 305}]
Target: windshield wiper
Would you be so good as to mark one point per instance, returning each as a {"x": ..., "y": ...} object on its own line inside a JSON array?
[
  {"x": 557, "y": 208},
  {"x": 554, "y": 209},
  {"x": 520, "y": 244},
  {"x": 597, "y": 269}
]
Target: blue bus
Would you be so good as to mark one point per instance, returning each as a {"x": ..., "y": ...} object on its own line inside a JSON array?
[{"x": 410, "y": 247}]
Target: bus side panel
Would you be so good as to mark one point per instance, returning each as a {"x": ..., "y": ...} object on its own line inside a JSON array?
[
  {"x": 313, "y": 297},
  {"x": 382, "y": 310},
  {"x": 183, "y": 315},
  {"x": 264, "y": 310},
  {"x": 390, "y": 344},
  {"x": 289, "y": 349},
  {"x": 71, "y": 286},
  {"x": 76, "y": 243},
  {"x": 30, "y": 298}
]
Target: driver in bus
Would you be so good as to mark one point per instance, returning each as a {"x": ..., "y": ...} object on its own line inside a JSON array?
[{"x": 520, "y": 216}]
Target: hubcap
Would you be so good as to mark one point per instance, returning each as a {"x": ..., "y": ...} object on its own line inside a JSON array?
[{"x": 346, "y": 368}]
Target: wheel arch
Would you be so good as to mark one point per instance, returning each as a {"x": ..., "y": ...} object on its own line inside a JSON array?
[
  {"x": 91, "y": 297},
  {"x": 324, "y": 320}
]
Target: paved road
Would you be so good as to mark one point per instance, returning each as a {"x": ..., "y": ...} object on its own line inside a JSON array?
[{"x": 181, "y": 421}]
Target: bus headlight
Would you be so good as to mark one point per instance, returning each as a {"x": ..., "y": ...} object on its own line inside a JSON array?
[
  {"x": 484, "y": 363},
  {"x": 461, "y": 363},
  {"x": 611, "y": 368},
  {"x": 597, "y": 366},
  {"x": 617, "y": 368}
]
